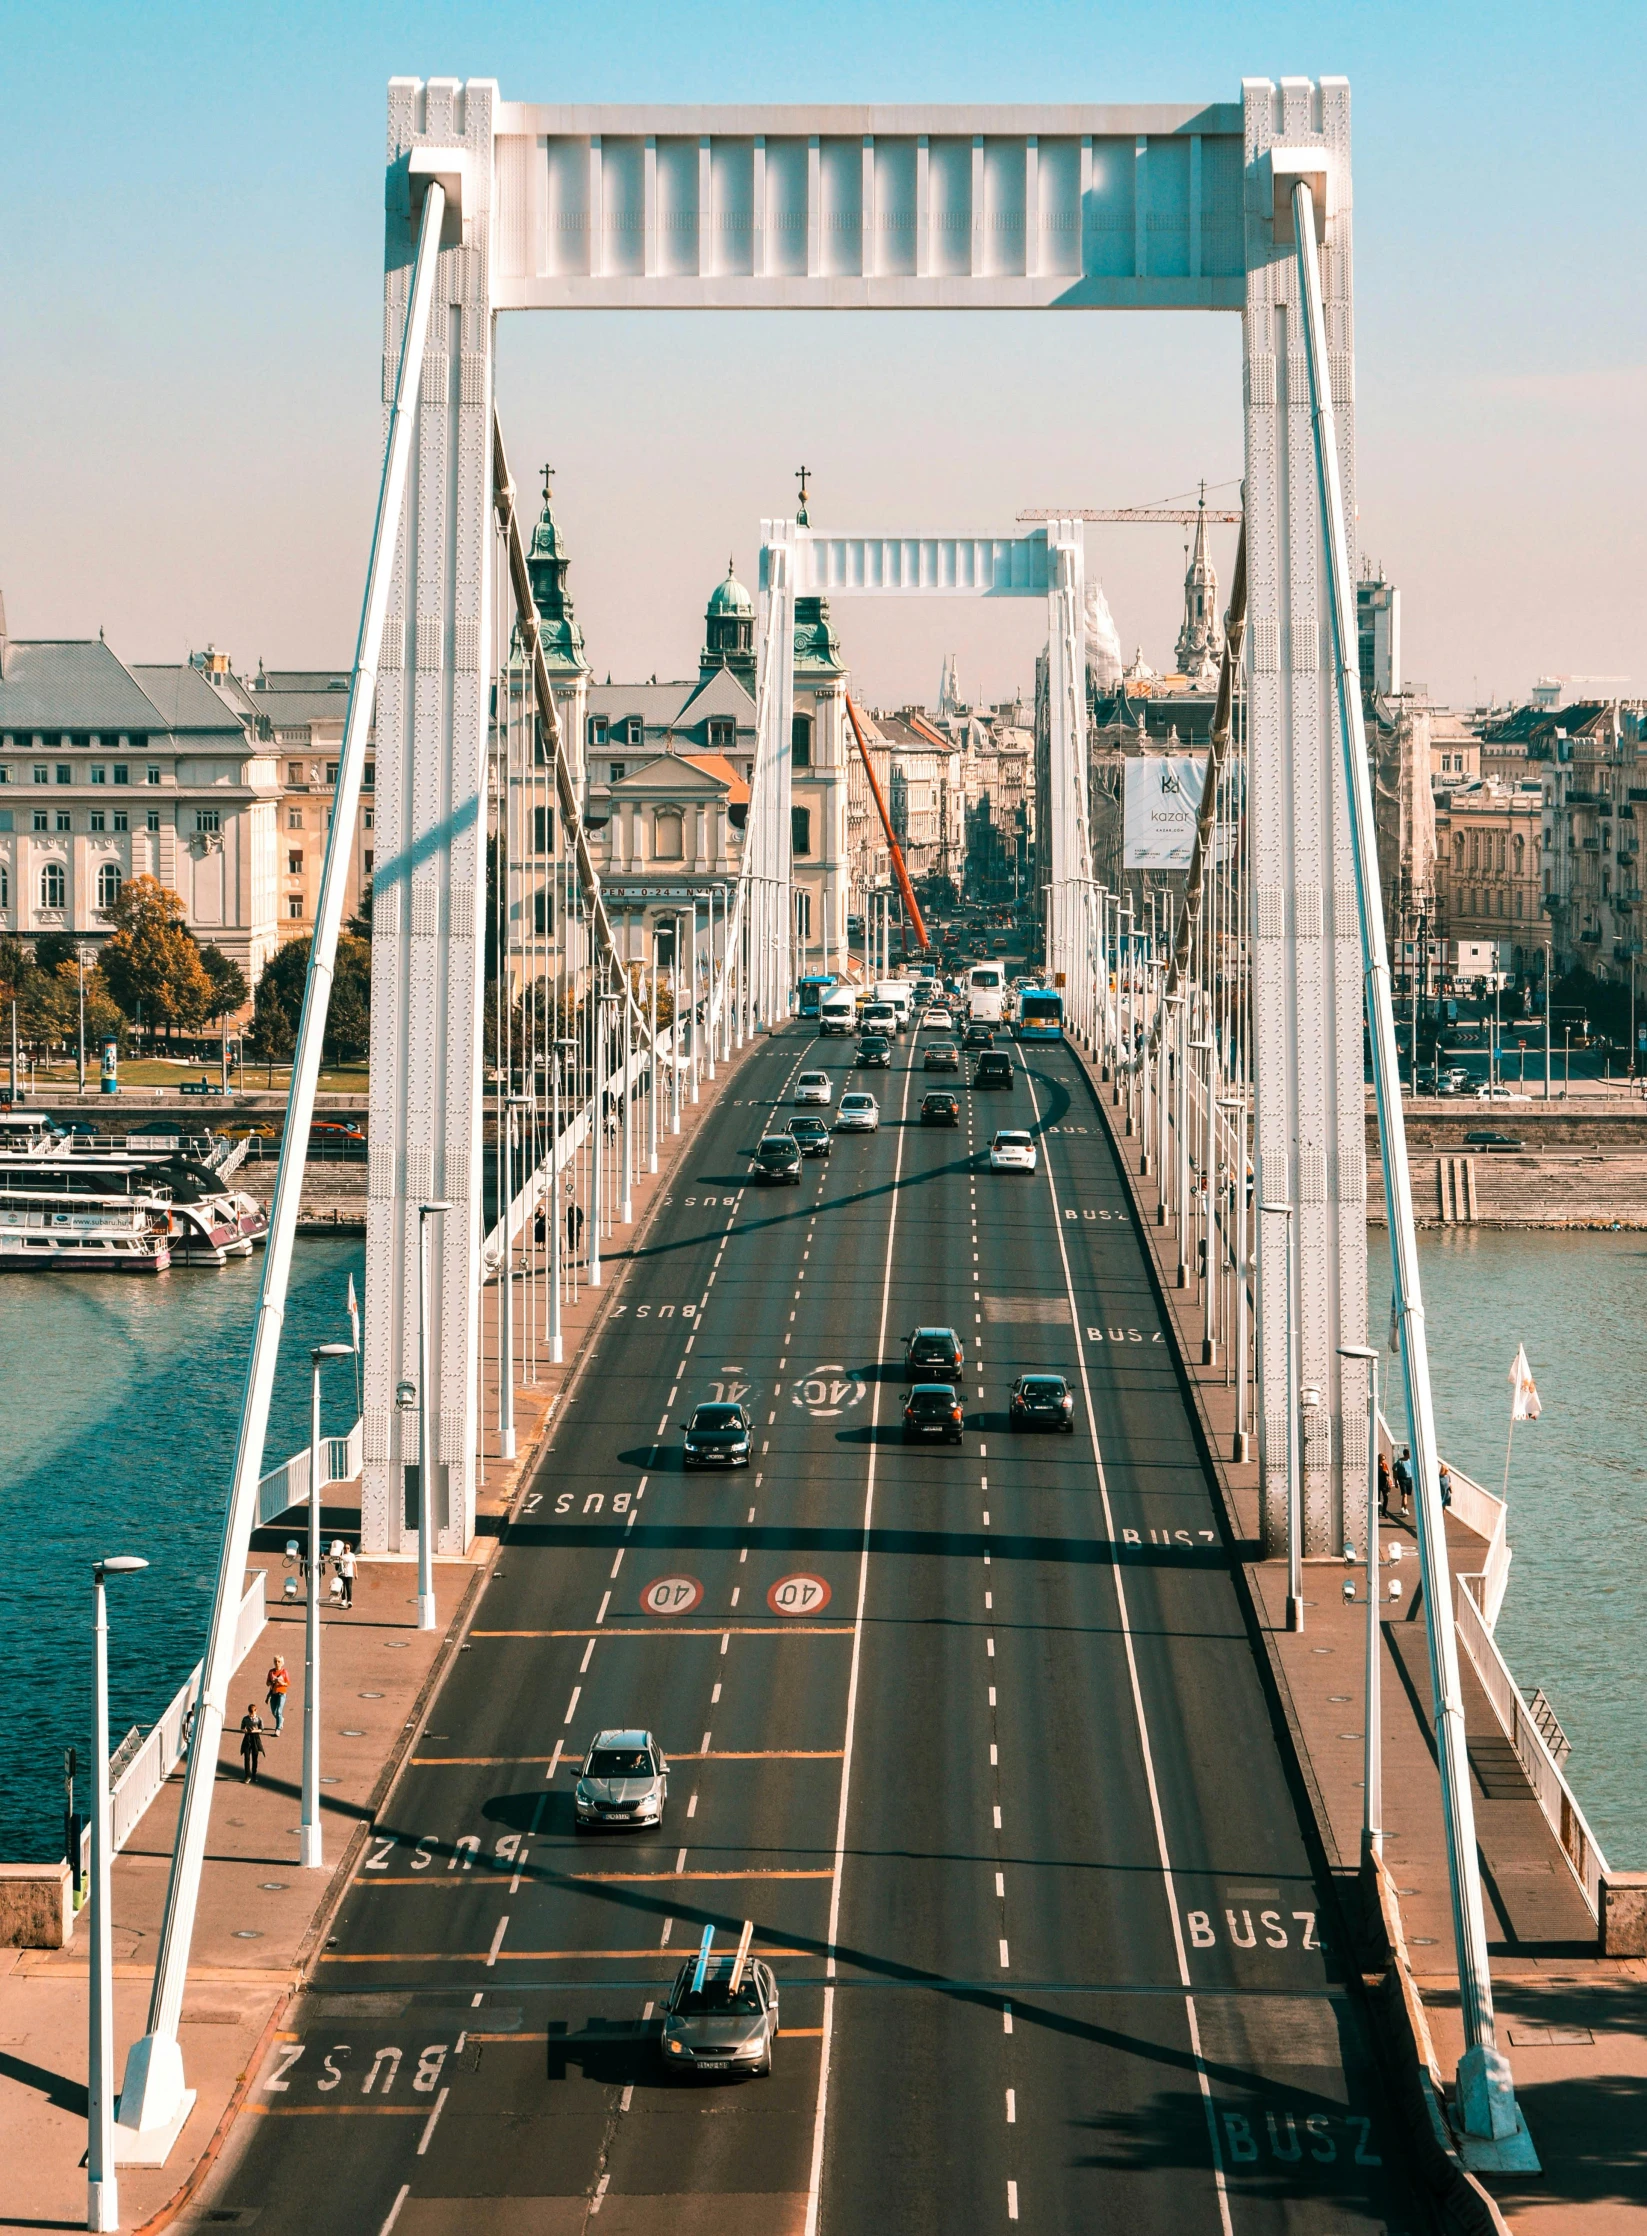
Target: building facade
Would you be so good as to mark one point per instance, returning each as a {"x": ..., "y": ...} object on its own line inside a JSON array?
[{"x": 300, "y": 714}]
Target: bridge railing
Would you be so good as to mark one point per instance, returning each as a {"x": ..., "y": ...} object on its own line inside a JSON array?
[{"x": 288, "y": 1484}]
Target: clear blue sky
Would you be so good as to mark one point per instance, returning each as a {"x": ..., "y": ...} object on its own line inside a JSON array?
[{"x": 190, "y": 267}]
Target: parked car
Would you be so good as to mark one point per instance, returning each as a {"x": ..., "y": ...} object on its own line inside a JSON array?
[{"x": 940, "y": 1110}]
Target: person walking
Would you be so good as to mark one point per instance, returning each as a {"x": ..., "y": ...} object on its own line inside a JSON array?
[
  {"x": 574, "y": 1227},
  {"x": 1404, "y": 1481},
  {"x": 1446, "y": 1484},
  {"x": 346, "y": 1575},
  {"x": 1383, "y": 1485},
  {"x": 251, "y": 1744},
  {"x": 278, "y": 1684}
]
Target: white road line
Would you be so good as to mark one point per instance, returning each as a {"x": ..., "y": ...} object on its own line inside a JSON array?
[
  {"x": 668, "y": 1929},
  {"x": 989, "y": 1648},
  {"x": 571, "y": 1705},
  {"x": 588, "y": 1657},
  {"x": 520, "y": 1858},
  {"x": 692, "y": 1806},
  {"x": 997, "y": 1816},
  {"x": 1202, "y": 2076},
  {"x": 497, "y": 1939},
  {"x": 815, "y": 2184},
  {"x": 628, "y": 2096},
  {"x": 618, "y": 1563},
  {"x": 1000, "y": 1885},
  {"x": 554, "y": 1759},
  {"x": 1012, "y": 2201},
  {"x": 429, "y": 2123},
  {"x": 704, "y": 1749},
  {"x": 680, "y": 1863},
  {"x": 605, "y": 1603},
  {"x": 599, "y": 2198},
  {"x": 394, "y": 2209},
  {"x": 1006, "y": 2018},
  {"x": 1012, "y": 2107},
  {"x": 1005, "y": 1961}
]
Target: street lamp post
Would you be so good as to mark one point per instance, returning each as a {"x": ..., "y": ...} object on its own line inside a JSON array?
[
  {"x": 1295, "y": 1487},
  {"x": 555, "y": 1339},
  {"x": 102, "y": 2184},
  {"x": 506, "y": 1291},
  {"x": 425, "y": 1443},
  {"x": 1206, "y": 1047},
  {"x": 1372, "y": 1810},
  {"x": 309, "y": 1832},
  {"x": 80, "y": 967}
]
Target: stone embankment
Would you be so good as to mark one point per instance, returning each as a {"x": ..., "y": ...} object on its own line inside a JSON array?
[{"x": 1576, "y": 1167}]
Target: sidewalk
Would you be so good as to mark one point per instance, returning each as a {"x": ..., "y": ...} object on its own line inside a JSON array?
[
  {"x": 260, "y": 1917},
  {"x": 1573, "y": 2023}
]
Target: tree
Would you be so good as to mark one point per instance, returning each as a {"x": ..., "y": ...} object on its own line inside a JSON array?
[
  {"x": 152, "y": 958},
  {"x": 228, "y": 982},
  {"x": 280, "y": 1002}
]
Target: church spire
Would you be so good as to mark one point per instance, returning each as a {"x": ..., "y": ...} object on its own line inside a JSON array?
[
  {"x": 546, "y": 568},
  {"x": 1200, "y": 641}
]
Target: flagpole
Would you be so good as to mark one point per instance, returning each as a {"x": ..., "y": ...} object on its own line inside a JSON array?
[{"x": 1508, "y": 1441}]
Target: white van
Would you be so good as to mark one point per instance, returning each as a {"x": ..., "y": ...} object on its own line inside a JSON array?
[
  {"x": 895, "y": 992},
  {"x": 838, "y": 1011}
]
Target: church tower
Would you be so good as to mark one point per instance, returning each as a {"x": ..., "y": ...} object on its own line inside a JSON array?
[
  {"x": 729, "y": 632},
  {"x": 1200, "y": 640},
  {"x": 562, "y": 639}
]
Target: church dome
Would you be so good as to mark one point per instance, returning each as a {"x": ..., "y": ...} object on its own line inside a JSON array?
[{"x": 729, "y": 596}]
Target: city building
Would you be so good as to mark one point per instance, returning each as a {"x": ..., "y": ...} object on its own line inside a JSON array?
[
  {"x": 110, "y": 771},
  {"x": 1489, "y": 873},
  {"x": 300, "y": 714}
]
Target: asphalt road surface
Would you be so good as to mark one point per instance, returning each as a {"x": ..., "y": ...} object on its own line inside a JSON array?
[{"x": 974, "y": 1735}]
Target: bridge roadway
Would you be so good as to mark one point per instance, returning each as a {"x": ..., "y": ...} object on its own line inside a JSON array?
[{"x": 1008, "y": 1812}]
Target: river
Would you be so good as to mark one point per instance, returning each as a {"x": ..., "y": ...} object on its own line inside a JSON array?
[
  {"x": 119, "y": 1408},
  {"x": 1576, "y": 1609}
]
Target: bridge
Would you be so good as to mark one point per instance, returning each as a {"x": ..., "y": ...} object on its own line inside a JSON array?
[{"x": 978, "y": 1741}]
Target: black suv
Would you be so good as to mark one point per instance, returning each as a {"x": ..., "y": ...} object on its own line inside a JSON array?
[
  {"x": 1042, "y": 1401},
  {"x": 993, "y": 1069},
  {"x": 933, "y": 1347},
  {"x": 932, "y": 1409},
  {"x": 778, "y": 1159},
  {"x": 940, "y": 1110}
]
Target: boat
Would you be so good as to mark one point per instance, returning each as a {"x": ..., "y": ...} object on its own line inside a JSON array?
[
  {"x": 43, "y": 1231},
  {"x": 208, "y": 1220}
]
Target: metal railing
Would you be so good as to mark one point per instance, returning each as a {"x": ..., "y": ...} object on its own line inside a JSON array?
[
  {"x": 1555, "y": 1797},
  {"x": 166, "y": 1745},
  {"x": 288, "y": 1484}
]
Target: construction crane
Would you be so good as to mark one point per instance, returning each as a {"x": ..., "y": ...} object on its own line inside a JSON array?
[
  {"x": 1186, "y": 517},
  {"x": 894, "y": 850}
]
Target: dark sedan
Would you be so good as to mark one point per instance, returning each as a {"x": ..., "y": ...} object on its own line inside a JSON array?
[
  {"x": 1042, "y": 1401},
  {"x": 942, "y": 1055},
  {"x": 875, "y": 1052},
  {"x": 940, "y": 1110},
  {"x": 811, "y": 1135},
  {"x": 718, "y": 1436},
  {"x": 978, "y": 1035},
  {"x": 1496, "y": 1145},
  {"x": 777, "y": 1161},
  {"x": 932, "y": 1409},
  {"x": 933, "y": 1347}
]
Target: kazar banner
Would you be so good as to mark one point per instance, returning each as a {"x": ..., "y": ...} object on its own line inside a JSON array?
[{"x": 1160, "y": 804}]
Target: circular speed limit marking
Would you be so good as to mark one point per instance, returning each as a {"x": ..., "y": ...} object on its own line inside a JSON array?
[
  {"x": 671, "y": 1595},
  {"x": 798, "y": 1595}
]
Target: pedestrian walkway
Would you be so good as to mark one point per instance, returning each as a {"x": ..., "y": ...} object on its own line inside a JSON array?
[
  {"x": 261, "y": 1918},
  {"x": 1573, "y": 2023}
]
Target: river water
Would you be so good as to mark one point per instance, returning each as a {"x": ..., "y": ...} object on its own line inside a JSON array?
[
  {"x": 1575, "y": 1613},
  {"x": 119, "y": 1409}
]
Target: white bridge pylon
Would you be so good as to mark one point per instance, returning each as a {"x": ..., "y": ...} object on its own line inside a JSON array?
[{"x": 493, "y": 206}]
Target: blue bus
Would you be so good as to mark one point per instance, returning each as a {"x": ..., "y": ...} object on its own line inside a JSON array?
[
  {"x": 1039, "y": 1014},
  {"x": 812, "y": 990}
]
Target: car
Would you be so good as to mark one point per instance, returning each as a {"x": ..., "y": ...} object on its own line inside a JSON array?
[
  {"x": 941, "y": 1055},
  {"x": 777, "y": 1162},
  {"x": 940, "y": 1110},
  {"x": 937, "y": 1020},
  {"x": 858, "y": 1114},
  {"x": 1501, "y": 1145},
  {"x": 1455, "y": 1081},
  {"x": 811, "y": 1135},
  {"x": 940, "y": 1347},
  {"x": 717, "y": 1436},
  {"x": 993, "y": 1069},
  {"x": 815, "y": 1087},
  {"x": 1500, "y": 1094},
  {"x": 978, "y": 1035},
  {"x": 932, "y": 1409},
  {"x": 1042, "y": 1401},
  {"x": 874, "y": 1053},
  {"x": 721, "y": 2016},
  {"x": 1011, "y": 1151},
  {"x": 623, "y": 1783}
]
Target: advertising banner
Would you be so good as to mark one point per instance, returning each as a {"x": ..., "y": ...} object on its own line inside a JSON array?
[{"x": 1161, "y": 801}]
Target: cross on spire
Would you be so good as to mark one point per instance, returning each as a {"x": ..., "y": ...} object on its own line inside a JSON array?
[
  {"x": 548, "y": 477},
  {"x": 801, "y": 478}
]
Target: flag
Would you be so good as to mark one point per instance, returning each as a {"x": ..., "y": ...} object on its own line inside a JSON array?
[
  {"x": 1524, "y": 1403},
  {"x": 354, "y": 1314}
]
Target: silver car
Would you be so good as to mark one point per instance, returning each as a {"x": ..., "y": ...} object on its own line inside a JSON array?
[
  {"x": 711, "y": 2027},
  {"x": 623, "y": 1783}
]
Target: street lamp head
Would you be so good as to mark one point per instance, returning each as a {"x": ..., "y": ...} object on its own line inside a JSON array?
[
  {"x": 1357, "y": 1351},
  {"x": 424, "y": 1209},
  {"x": 1280, "y": 1210},
  {"x": 406, "y": 1395},
  {"x": 319, "y": 1351},
  {"x": 119, "y": 1564}
]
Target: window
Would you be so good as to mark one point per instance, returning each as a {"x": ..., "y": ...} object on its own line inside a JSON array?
[
  {"x": 65, "y": 775},
  {"x": 368, "y": 782},
  {"x": 65, "y": 821},
  {"x": 294, "y": 906},
  {"x": 723, "y": 733},
  {"x": 666, "y": 835},
  {"x": 41, "y": 775},
  {"x": 800, "y": 741},
  {"x": 543, "y": 911},
  {"x": 122, "y": 821},
  {"x": 294, "y": 819},
  {"x": 803, "y": 915},
  {"x": 367, "y": 861},
  {"x": 294, "y": 862},
  {"x": 543, "y": 830},
  {"x": 99, "y": 821},
  {"x": 331, "y": 772},
  {"x": 597, "y": 729},
  {"x": 153, "y": 819},
  {"x": 54, "y": 886},
  {"x": 207, "y": 819},
  {"x": 153, "y": 776},
  {"x": 800, "y": 830},
  {"x": 108, "y": 885},
  {"x": 122, "y": 772},
  {"x": 5, "y": 886},
  {"x": 632, "y": 732},
  {"x": 5, "y": 775},
  {"x": 294, "y": 772},
  {"x": 98, "y": 773},
  {"x": 42, "y": 821},
  {"x": 366, "y": 819}
]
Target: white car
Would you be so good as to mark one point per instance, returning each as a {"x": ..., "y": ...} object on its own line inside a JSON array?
[
  {"x": 816, "y": 1087},
  {"x": 1012, "y": 1152},
  {"x": 1500, "y": 1094},
  {"x": 937, "y": 1021},
  {"x": 858, "y": 1114}
]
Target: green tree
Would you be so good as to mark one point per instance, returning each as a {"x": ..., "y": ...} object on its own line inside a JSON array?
[
  {"x": 153, "y": 958},
  {"x": 229, "y": 990},
  {"x": 280, "y": 1002}
]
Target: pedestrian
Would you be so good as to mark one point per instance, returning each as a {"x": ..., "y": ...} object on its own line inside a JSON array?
[
  {"x": 574, "y": 1227},
  {"x": 1383, "y": 1485},
  {"x": 1404, "y": 1481},
  {"x": 346, "y": 1575},
  {"x": 251, "y": 1743},
  {"x": 278, "y": 1684},
  {"x": 1446, "y": 1484}
]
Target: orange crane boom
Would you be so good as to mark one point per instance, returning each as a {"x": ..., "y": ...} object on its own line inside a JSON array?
[{"x": 899, "y": 870}]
